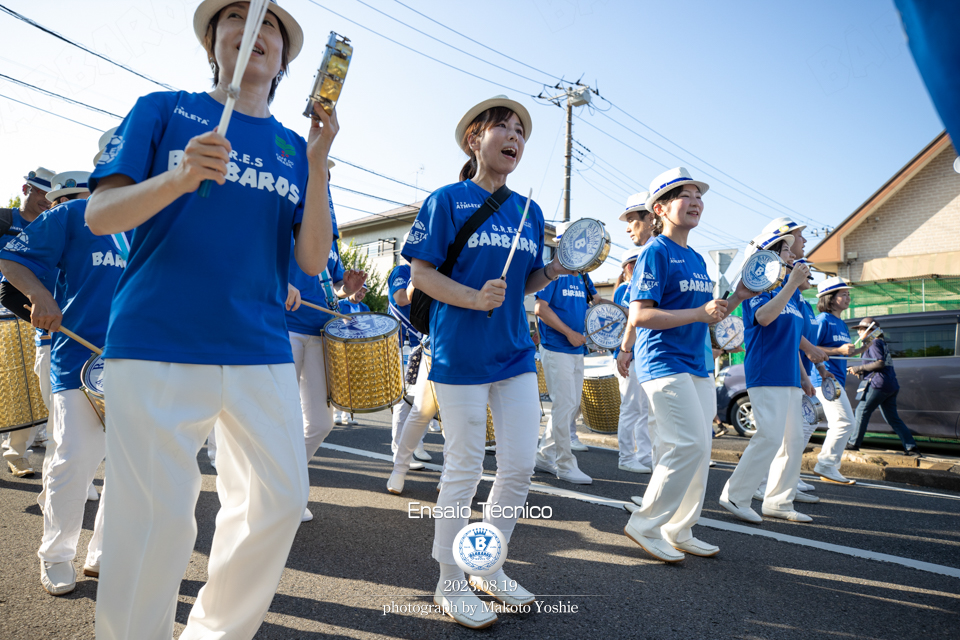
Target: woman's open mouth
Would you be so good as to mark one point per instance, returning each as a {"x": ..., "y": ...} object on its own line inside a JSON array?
[{"x": 510, "y": 152}]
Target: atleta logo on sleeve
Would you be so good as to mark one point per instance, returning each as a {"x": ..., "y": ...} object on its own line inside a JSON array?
[
  {"x": 250, "y": 177},
  {"x": 417, "y": 234}
]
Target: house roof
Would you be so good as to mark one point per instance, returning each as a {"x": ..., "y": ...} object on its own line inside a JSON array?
[{"x": 830, "y": 250}]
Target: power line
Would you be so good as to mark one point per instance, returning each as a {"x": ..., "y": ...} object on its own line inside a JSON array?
[
  {"x": 53, "y": 33},
  {"x": 57, "y": 95},
  {"x": 370, "y": 195},
  {"x": 356, "y": 166},
  {"x": 51, "y": 113},
  {"x": 400, "y": 44}
]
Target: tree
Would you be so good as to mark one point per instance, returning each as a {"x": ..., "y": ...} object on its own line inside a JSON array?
[
  {"x": 354, "y": 257},
  {"x": 14, "y": 203}
]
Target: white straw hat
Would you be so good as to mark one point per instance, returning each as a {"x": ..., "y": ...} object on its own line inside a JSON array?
[
  {"x": 209, "y": 8},
  {"x": 42, "y": 178},
  {"x": 636, "y": 202},
  {"x": 765, "y": 240},
  {"x": 560, "y": 228},
  {"x": 495, "y": 101},
  {"x": 783, "y": 226},
  {"x": 68, "y": 183},
  {"x": 832, "y": 284},
  {"x": 671, "y": 180},
  {"x": 630, "y": 255},
  {"x": 105, "y": 139}
]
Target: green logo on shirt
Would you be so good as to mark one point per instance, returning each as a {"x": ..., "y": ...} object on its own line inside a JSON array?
[{"x": 286, "y": 150}]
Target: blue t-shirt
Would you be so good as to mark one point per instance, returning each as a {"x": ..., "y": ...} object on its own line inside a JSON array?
[
  {"x": 771, "y": 358},
  {"x": 89, "y": 267},
  {"x": 673, "y": 277},
  {"x": 810, "y": 328},
  {"x": 468, "y": 347},
  {"x": 621, "y": 293},
  {"x": 400, "y": 280},
  {"x": 708, "y": 354},
  {"x": 568, "y": 298},
  {"x": 225, "y": 258},
  {"x": 352, "y": 307},
  {"x": 885, "y": 379},
  {"x": 831, "y": 332},
  {"x": 48, "y": 280},
  {"x": 305, "y": 320}
]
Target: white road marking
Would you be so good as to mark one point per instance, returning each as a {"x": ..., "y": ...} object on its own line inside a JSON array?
[{"x": 706, "y": 522}]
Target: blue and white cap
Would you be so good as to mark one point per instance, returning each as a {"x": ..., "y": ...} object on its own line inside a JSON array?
[
  {"x": 783, "y": 226},
  {"x": 68, "y": 183},
  {"x": 830, "y": 285},
  {"x": 765, "y": 240},
  {"x": 630, "y": 255},
  {"x": 561, "y": 227},
  {"x": 636, "y": 202},
  {"x": 42, "y": 178},
  {"x": 671, "y": 180}
]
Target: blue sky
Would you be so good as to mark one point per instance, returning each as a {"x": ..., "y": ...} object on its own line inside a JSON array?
[{"x": 812, "y": 104}]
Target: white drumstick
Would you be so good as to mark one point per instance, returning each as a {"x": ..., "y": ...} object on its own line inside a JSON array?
[
  {"x": 516, "y": 241},
  {"x": 867, "y": 332}
]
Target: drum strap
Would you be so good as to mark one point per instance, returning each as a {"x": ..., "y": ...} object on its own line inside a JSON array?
[
  {"x": 586, "y": 287},
  {"x": 403, "y": 320},
  {"x": 6, "y": 221}
]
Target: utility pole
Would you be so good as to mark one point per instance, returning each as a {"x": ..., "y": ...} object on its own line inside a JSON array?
[{"x": 575, "y": 96}]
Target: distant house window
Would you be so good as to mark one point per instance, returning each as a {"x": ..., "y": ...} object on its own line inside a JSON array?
[
  {"x": 922, "y": 342},
  {"x": 377, "y": 248}
]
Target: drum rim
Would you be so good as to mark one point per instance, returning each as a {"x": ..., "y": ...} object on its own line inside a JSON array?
[
  {"x": 586, "y": 267},
  {"x": 85, "y": 370},
  {"x": 780, "y": 278},
  {"x": 328, "y": 336}
]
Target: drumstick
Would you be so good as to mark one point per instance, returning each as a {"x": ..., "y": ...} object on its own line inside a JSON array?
[
  {"x": 256, "y": 12},
  {"x": 606, "y": 326},
  {"x": 324, "y": 309},
  {"x": 867, "y": 332},
  {"x": 71, "y": 334},
  {"x": 516, "y": 241},
  {"x": 725, "y": 344}
]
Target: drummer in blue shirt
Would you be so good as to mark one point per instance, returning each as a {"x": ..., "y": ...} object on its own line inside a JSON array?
[{"x": 89, "y": 267}]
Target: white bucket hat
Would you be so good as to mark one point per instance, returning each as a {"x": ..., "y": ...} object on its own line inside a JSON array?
[
  {"x": 636, "y": 202},
  {"x": 103, "y": 142},
  {"x": 209, "y": 8},
  {"x": 832, "y": 284},
  {"x": 765, "y": 240},
  {"x": 629, "y": 256},
  {"x": 68, "y": 183},
  {"x": 671, "y": 180},
  {"x": 495, "y": 101},
  {"x": 561, "y": 227},
  {"x": 783, "y": 226},
  {"x": 42, "y": 178}
]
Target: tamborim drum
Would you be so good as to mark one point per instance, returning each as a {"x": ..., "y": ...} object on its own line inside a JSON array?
[
  {"x": 91, "y": 383},
  {"x": 584, "y": 245},
  {"x": 604, "y": 325},
  {"x": 362, "y": 356},
  {"x": 600, "y": 403},
  {"x": 831, "y": 388},
  {"x": 727, "y": 334},
  {"x": 764, "y": 271},
  {"x": 812, "y": 410}
]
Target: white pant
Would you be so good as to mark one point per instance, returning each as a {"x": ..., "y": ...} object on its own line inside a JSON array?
[
  {"x": 516, "y": 423},
  {"x": 77, "y": 453},
  {"x": 808, "y": 430},
  {"x": 409, "y": 434},
  {"x": 564, "y": 373},
  {"x": 22, "y": 439},
  {"x": 312, "y": 376},
  {"x": 777, "y": 447},
  {"x": 158, "y": 417},
  {"x": 684, "y": 406},
  {"x": 839, "y": 427},
  {"x": 633, "y": 433}
]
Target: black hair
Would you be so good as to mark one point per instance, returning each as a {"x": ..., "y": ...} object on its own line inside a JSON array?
[{"x": 284, "y": 56}]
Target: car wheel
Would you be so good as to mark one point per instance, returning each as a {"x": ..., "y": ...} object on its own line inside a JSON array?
[{"x": 742, "y": 416}]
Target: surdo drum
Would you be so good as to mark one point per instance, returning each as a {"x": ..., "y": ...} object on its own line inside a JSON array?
[
  {"x": 812, "y": 410},
  {"x": 727, "y": 334},
  {"x": 21, "y": 401},
  {"x": 600, "y": 403},
  {"x": 604, "y": 326},
  {"x": 764, "y": 271},
  {"x": 91, "y": 383},
  {"x": 584, "y": 245},
  {"x": 362, "y": 355}
]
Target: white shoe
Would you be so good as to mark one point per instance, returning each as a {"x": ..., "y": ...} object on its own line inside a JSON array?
[
  {"x": 758, "y": 494},
  {"x": 659, "y": 549},
  {"x": 540, "y": 464},
  {"x": 307, "y": 515},
  {"x": 806, "y": 487},
  {"x": 58, "y": 578},
  {"x": 92, "y": 494},
  {"x": 637, "y": 500},
  {"x": 338, "y": 420},
  {"x": 92, "y": 570},
  {"x": 439, "y": 486},
  {"x": 434, "y": 427},
  {"x": 712, "y": 464},
  {"x": 635, "y": 467},
  {"x": 213, "y": 462},
  {"x": 792, "y": 516},
  {"x": 630, "y": 508},
  {"x": 831, "y": 474},
  {"x": 696, "y": 548},
  {"x": 351, "y": 421},
  {"x": 416, "y": 466},
  {"x": 511, "y": 597},
  {"x": 395, "y": 483},
  {"x": 576, "y": 445},
  {"x": 745, "y": 513},
  {"x": 805, "y": 498},
  {"x": 421, "y": 454},
  {"x": 475, "y": 615},
  {"x": 574, "y": 476}
]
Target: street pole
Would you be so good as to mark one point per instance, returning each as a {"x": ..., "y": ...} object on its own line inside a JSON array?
[{"x": 566, "y": 170}]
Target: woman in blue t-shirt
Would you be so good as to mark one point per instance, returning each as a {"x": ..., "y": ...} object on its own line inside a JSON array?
[
  {"x": 480, "y": 360},
  {"x": 170, "y": 378},
  {"x": 773, "y": 327},
  {"x": 671, "y": 304}
]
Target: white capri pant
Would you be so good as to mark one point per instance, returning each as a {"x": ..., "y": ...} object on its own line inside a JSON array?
[
  {"x": 839, "y": 427},
  {"x": 516, "y": 424},
  {"x": 684, "y": 406},
  {"x": 777, "y": 447},
  {"x": 633, "y": 432},
  {"x": 564, "y": 374},
  {"x": 308, "y": 360},
  {"x": 160, "y": 413},
  {"x": 409, "y": 434}
]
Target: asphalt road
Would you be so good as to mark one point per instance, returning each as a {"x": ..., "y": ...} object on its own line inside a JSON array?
[{"x": 363, "y": 553}]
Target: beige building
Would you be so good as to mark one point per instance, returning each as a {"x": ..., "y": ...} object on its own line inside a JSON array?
[{"x": 908, "y": 229}]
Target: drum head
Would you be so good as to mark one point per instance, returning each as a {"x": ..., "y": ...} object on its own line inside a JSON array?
[
  {"x": 361, "y": 327},
  {"x": 762, "y": 270},
  {"x": 729, "y": 332},
  {"x": 831, "y": 389},
  {"x": 580, "y": 244},
  {"x": 610, "y": 316},
  {"x": 92, "y": 375},
  {"x": 811, "y": 410}
]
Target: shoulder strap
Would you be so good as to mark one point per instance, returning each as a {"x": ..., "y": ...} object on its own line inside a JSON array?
[
  {"x": 6, "y": 221},
  {"x": 487, "y": 209}
]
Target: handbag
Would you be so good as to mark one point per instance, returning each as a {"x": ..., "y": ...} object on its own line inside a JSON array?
[{"x": 421, "y": 303}]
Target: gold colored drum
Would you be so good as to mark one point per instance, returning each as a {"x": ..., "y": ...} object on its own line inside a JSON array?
[
  {"x": 541, "y": 379},
  {"x": 21, "y": 401},
  {"x": 600, "y": 403},
  {"x": 363, "y": 359},
  {"x": 428, "y": 359},
  {"x": 91, "y": 383}
]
